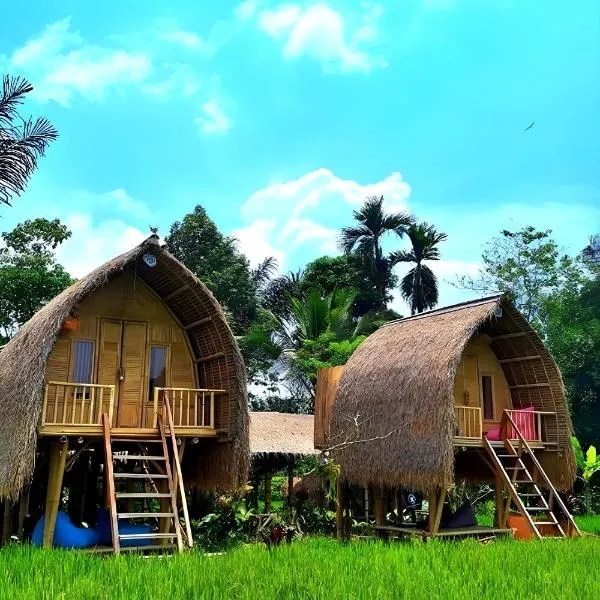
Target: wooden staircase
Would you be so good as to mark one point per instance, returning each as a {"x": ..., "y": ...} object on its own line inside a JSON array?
[
  {"x": 141, "y": 476},
  {"x": 528, "y": 485}
]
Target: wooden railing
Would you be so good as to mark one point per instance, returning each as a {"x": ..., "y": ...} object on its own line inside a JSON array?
[
  {"x": 77, "y": 403},
  {"x": 530, "y": 424},
  {"x": 468, "y": 421},
  {"x": 190, "y": 407}
]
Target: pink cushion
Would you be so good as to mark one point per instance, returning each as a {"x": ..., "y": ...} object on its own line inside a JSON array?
[
  {"x": 525, "y": 422},
  {"x": 493, "y": 434}
]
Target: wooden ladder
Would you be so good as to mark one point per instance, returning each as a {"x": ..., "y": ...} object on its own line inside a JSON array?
[
  {"x": 150, "y": 465},
  {"x": 533, "y": 494}
]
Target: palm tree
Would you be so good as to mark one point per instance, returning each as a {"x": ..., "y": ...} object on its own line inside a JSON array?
[
  {"x": 20, "y": 145},
  {"x": 419, "y": 286},
  {"x": 373, "y": 223}
]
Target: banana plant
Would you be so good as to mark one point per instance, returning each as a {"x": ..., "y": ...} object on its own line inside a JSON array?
[{"x": 588, "y": 464}]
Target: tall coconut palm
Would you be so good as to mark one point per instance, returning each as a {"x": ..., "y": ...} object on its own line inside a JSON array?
[
  {"x": 373, "y": 223},
  {"x": 419, "y": 286},
  {"x": 20, "y": 145}
]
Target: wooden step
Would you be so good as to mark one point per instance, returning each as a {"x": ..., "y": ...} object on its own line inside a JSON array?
[
  {"x": 138, "y": 457},
  {"x": 140, "y": 476},
  {"x": 146, "y": 536},
  {"x": 536, "y": 523},
  {"x": 537, "y": 508},
  {"x": 120, "y": 495},
  {"x": 143, "y": 515}
]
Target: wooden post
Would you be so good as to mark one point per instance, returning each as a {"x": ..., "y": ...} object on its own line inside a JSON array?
[
  {"x": 7, "y": 521},
  {"x": 268, "y": 483},
  {"x": 499, "y": 511},
  {"x": 339, "y": 511},
  {"x": 58, "y": 458},
  {"x": 366, "y": 491},
  {"x": 379, "y": 505},
  {"x": 436, "y": 504},
  {"x": 290, "y": 482},
  {"x": 23, "y": 508}
]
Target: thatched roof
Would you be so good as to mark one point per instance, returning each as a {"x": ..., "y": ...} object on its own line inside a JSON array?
[
  {"x": 398, "y": 386},
  {"x": 23, "y": 364},
  {"x": 281, "y": 433}
]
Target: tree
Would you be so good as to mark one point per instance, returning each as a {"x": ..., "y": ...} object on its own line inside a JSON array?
[
  {"x": 364, "y": 241},
  {"x": 20, "y": 145},
  {"x": 216, "y": 261},
  {"x": 527, "y": 266},
  {"x": 419, "y": 286},
  {"x": 29, "y": 273}
]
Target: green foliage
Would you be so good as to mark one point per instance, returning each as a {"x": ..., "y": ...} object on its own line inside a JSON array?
[
  {"x": 216, "y": 261},
  {"x": 22, "y": 141},
  {"x": 315, "y": 568},
  {"x": 363, "y": 240},
  {"x": 325, "y": 351},
  {"x": 419, "y": 286},
  {"x": 588, "y": 463},
  {"x": 29, "y": 273},
  {"x": 528, "y": 266}
]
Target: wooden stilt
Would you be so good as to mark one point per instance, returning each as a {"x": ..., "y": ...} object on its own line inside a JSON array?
[
  {"x": 366, "y": 491},
  {"x": 441, "y": 497},
  {"x": 58, "y": 458},
  {"x": 499, "y": 511},
  {"x": 291, "y": 482},
  {"x": 379, "y": 505},
  {"x": 268, "y": 486},
  {"x": 432, "y": 511},
  {"x": 7, "y": 521},
  {"x": 23, "y": 508},
  {"x": 339, "y": 512}
]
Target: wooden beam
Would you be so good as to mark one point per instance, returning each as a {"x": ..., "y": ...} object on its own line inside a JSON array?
[
  {"x": 529, "y": 385},
  {"x": 379, "y": 505},
  {"x": 209, "y": 357},
  {"x": 197, "y": 323},
  {"x": 438, "y": 510},
  {"x": 174, "y": 293},
  {"x": 23, "y": 508},
  {"x": 339, "y": 510},
  {"x": 508, "y": 336},
  {"x": 499, "y": 511},
  {"x": 268, "y": 493},
  {"x": 519, "y": 359},
  {"x": 58, "y": 458}
]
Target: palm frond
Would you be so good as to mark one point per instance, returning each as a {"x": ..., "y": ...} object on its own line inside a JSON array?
[
  {"x": 419, "y": 288},
  {"x": 13, "y": 92},
  {"x": 264, "y": 271}
]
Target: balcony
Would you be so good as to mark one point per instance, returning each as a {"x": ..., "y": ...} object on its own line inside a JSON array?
[
  {"x": 77, "y": 408},
  {"x": 468, "y": 423}
]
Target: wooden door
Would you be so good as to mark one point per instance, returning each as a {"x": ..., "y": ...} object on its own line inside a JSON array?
[
  {"x": 109, "y": 359},
  {"x": 133, "y": 380}
]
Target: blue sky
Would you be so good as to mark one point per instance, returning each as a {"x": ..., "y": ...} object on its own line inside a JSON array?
[{"x": 280, "y": 118}]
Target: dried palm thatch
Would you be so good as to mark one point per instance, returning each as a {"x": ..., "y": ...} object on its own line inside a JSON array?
[
  {"x": 395, "y": 406},
  {"x": 224, "y": 464},
  {"x": 281, "y": 433}
]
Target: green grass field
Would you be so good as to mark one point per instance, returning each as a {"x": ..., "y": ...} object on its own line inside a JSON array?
[{"x": 315, "y": 568}]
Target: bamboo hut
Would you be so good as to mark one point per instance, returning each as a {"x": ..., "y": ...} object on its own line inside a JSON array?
[
  {"x": 131, "y": 374},
  {"x": 277, "y": 441},
  {"x": 464, "y": 393}
]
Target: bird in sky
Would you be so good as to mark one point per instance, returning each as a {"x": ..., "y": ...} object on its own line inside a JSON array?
[{"x": 530, "y": 126}]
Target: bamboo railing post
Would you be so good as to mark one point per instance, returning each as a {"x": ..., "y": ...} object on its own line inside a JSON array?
[
  {"x": 155, "y": 408},
  {"x": 111, "y": 405},
  {"x": 187, "y": 410},
  {"x": 45, "y": 405},
  {"x": 64, "y": 411},
  {"x": 212, "y": 410}
]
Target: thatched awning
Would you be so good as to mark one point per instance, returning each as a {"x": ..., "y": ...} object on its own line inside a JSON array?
[
  {"x": 398, "y": 387},
  {"x": 223, "y": 465},
  {"x": 281, "y": 434}
]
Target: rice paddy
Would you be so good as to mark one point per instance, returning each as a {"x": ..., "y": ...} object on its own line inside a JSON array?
[{"x": 315, "y": 568}]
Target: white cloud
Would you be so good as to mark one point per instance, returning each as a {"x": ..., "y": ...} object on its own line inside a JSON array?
[
  {"x": 213, "y": 119},
  {"x": 63, "y": 66},
  {"x": 246, "y": 10},
  {"x": 183, "y": 81},
  {"x": 91, "y": 244},
  {"x": 310, "y": 190},
  {"x": 188, "y": 39},
  {"x": 325, "y": 35},
  {"x": 252, "y": 241},
  {"x": 303, "y": 215}
]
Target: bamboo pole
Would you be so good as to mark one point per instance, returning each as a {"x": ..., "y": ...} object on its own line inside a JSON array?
[
  {"x": 379, "y": 505},
  {"x": 339, "y": 512},
  {"x": 58, "y": 458}
]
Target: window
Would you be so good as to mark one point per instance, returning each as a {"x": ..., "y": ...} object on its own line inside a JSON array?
[
  {"x": 83, "y": 362},
  {"x": 487, "y": 397},
  {"x": 158, "y": 369}
]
